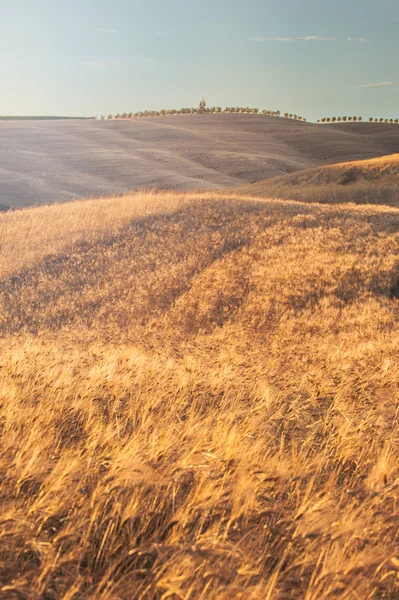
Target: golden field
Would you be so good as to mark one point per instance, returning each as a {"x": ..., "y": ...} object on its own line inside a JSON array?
[{"x": 199, "y": 400}]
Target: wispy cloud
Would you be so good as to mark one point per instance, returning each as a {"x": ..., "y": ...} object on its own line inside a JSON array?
[
  {"x": 310, "y": 38},
  {"x": 103, "y": 30},
  {"x": 377, "y": 85},
  {"x": 352, "y": 39},
  {"x": 101, "y": 64},
  {"x": 162, "y": 33},
  {"x": 145, "y": 60}
]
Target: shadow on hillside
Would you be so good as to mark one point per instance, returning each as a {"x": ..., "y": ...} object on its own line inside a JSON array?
[{"x": 131, "y": 277}]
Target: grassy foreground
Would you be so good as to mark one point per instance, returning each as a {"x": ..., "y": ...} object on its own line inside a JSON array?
[{"x": 199, "y": 400}]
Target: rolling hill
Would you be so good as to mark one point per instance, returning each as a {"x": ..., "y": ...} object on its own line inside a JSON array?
[
  {"x": 50, "y": 161},
  {"x": 198, "y": 399},
  {"x": 374, "y": 181}
]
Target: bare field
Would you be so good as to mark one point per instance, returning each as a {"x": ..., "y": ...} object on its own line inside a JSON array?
[
  {"x": 200, "y": 400},
  {"x": 50, "y": 161}
]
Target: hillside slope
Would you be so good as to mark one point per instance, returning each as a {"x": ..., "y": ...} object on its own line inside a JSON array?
[
  {"x": 199, "y": 400},
  {"x": 374, "y": 181},
  {"x": 43, "y": 162}
]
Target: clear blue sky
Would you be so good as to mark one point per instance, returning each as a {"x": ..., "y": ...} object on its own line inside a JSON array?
[{"x": 86, "y": 57}]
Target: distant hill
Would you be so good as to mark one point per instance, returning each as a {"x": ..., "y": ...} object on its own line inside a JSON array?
[
  {"x": 38, "y": 118},
  {"x": 50, "y": 161},
  {"x": 374, "y": 181}
]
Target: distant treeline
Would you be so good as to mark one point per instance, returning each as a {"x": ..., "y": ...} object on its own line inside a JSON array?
[
  {"x": 37, "y": 118},
  {"x": 201, "y": 110},
  {"x": 345, "y": 119}
]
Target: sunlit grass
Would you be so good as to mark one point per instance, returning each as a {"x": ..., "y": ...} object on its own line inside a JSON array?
[
  {"x": 199, "y": 400},
  {"x": 374, "y": 181}
]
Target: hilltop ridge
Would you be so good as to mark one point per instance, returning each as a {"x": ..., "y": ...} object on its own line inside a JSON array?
[{"x": 373, "y": 181}]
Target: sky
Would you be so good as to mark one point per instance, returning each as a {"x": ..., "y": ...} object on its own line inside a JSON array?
[{"x": 88, "y": 57}]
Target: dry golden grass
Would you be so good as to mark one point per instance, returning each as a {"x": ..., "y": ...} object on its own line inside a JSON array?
[
  {"x": 374, "y": 181},
  {"x": 199, "y": 400},
  {"x": 382, "y": 164},
  {"x": 28, "y": 235}
]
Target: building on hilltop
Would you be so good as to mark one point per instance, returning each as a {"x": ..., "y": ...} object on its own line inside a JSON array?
[{"x": 202, "y": 105}]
